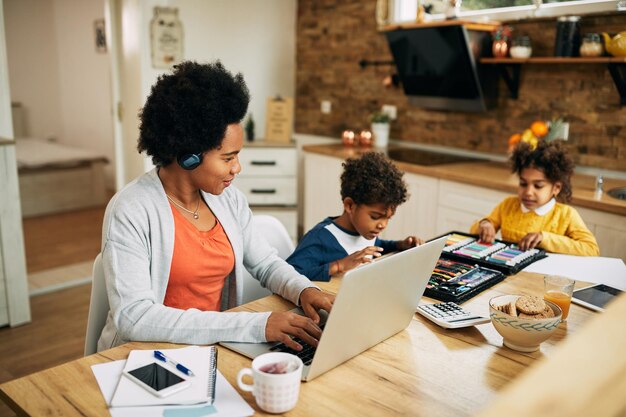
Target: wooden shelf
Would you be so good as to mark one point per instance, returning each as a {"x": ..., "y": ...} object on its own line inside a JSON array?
[
  {"x": 479, "y": 26},
  {"x": 556, "y": 60},
  {"x": 510, "y": 69}
]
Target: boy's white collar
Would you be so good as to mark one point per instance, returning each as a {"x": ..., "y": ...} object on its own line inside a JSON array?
[{"x": 540, "y": 211}]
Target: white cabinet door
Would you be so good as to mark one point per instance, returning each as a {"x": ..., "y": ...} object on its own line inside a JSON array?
[
  {"x": 609, "y": 230},
  {"x": 417, "y": 216},
  {"x": 322, "y": 187},
  {"x": 460, "y": 205}
]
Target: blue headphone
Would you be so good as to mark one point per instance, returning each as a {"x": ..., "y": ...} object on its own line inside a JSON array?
[{"x": 189, "y": 161}]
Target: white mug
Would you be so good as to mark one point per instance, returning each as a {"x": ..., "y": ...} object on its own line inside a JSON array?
[{"x": 274, "y": 393}]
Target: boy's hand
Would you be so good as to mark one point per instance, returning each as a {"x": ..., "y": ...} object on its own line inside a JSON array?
[
  {"x": 357, "y": 258},
  {"x": 530, "y": 241},
  {"x": 486, "y": 231},
  {"x": 408, "y": 243}
]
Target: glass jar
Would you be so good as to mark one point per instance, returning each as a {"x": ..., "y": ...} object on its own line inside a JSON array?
[
  {"x": 520, "y": 47},
  {"x": 592, "y": 45}
]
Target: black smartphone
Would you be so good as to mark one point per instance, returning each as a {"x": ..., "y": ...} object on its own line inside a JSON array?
[{"x": 157, "y": 379}]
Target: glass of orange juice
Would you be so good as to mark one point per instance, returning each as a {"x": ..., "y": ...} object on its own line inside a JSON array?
[{"x": 559, "y": 290}]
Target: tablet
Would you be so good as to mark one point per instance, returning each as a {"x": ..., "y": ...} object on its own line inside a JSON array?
[{"x": 595, "y": 297}]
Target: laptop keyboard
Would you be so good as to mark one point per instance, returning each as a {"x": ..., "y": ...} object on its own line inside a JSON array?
[{"x": 306, "y": 354}]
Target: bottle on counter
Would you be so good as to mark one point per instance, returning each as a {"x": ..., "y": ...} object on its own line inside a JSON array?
[{"x": 592, "y": 45}]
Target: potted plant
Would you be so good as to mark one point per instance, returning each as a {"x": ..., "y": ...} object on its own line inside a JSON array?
[{"x": 380, "y": 128}]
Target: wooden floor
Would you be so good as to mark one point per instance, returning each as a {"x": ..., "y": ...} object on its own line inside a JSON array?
[
  {"x": 57, "y": 332},
  {"x": 62, "y": 239},
  {"x": 56, "y": 335}
]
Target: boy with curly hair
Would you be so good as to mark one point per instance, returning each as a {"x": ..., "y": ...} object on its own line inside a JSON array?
[
  {"x": 537, "y": 216},
  {"x": 371, "y": 190}
]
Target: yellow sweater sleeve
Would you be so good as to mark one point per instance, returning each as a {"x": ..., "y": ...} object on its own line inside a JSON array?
[
  {"x": 577, "y": 240},
  {"x": 495, "y": 217}
]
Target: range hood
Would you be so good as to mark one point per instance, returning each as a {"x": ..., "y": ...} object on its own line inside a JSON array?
[{"x": 438, "y": 67}]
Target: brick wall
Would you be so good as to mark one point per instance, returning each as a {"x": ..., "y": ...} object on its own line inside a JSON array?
[{"x": 334, "y": 35}]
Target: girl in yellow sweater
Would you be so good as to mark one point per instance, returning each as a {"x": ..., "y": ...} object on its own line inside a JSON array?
[{"x": 534, "y": 218}]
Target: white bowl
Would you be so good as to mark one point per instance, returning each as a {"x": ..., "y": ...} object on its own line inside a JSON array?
[{"x": 522, "y": 334}]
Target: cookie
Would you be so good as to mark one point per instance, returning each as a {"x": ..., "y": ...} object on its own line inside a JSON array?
[
  {"x": 508, "y": 308},
  {"x": 530, "y": 304},
  {"x": 545, "y": 314}
]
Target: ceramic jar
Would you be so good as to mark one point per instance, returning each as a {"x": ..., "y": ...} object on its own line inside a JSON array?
[
  {"x": 521, "y": 48},
  {"x": 592, "y": 45}
]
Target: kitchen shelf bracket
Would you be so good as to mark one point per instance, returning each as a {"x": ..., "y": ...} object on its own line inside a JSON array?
[
  {"x": 618, "y": 72},
  {"x": 511, "y": 74}
]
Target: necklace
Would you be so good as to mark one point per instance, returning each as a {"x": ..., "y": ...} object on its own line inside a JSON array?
[{"x": 177, "y": 204}]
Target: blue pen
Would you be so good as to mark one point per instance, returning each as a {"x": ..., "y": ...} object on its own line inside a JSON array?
[{"x": 160, "y": 356}]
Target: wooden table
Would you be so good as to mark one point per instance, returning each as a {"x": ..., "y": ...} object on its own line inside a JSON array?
[{"x": 423, "y": 370}]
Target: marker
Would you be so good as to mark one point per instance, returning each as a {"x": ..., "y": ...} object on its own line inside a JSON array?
[{"x": 160, "y": 356}]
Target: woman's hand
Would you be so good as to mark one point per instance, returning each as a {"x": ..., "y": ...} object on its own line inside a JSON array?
[
  {"x": 312, "y": 300},
  {"x": 530, "y": 241},
  {"x": 356, "y": 259},
  {"x": 486, "y": 231},
  {"x": 409, "y": 243},
  {"x": 282, "y": 326}
]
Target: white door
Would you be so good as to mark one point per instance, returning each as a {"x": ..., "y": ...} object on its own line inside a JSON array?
[{"x": 14, "y": 301}]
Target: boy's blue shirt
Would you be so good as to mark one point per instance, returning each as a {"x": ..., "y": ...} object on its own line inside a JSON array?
[{"x": 319, "y": 248}]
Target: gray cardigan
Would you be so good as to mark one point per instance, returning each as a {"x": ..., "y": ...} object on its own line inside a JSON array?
[{"x": 137, "y": 248}]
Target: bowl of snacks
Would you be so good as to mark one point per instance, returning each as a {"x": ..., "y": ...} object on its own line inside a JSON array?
[{"x": 524, "y": 321}]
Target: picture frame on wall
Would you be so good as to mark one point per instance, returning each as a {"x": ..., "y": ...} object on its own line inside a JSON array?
[
  {"x": 166, "y": 38},
  {"x": 100, "y": 36}
]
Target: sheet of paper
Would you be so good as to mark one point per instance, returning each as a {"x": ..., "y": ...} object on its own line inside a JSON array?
[
  {"x": 596, "y": 269},
  {"x": 228, "y": 402}
]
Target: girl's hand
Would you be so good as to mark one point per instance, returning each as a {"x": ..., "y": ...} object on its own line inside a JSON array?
[
  {"x": 486, "y": 231},
  {"x": 356, "y": 259},
  {"x": 530, "y": 241},
  {"x": 409, "y": 243}
]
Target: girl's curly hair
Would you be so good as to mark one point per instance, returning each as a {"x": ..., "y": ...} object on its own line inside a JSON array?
[
  {"x": 551, "y": 158},
  {"x": 189, "y": 110},
  {"x": 373, "y": 179}
]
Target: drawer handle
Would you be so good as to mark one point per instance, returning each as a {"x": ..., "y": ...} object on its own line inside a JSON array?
[
  {"x": 263, "y": 163},
  {"x": 263, "y": 191}
]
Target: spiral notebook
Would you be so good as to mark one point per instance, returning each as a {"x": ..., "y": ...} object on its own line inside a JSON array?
[{"x": 202, "y": 360}]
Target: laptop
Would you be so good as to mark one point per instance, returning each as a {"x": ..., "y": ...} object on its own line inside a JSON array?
[{"x": 375, "y": 301}]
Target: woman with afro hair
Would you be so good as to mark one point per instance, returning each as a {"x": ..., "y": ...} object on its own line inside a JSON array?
[
  {"x": 538, "y": 215},
  {"x": 176, "y": 240}
]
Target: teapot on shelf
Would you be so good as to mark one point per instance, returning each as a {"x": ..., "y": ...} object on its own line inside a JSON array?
[{"x": 617, "y": 45}]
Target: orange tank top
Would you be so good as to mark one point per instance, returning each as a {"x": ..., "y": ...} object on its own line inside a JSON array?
[{"x": 200, "y": 264}]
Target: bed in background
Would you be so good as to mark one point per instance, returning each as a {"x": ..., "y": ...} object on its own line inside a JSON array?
[{"x": 56, "y": 177}]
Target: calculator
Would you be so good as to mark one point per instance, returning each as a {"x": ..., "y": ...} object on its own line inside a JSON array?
[{"x": 450, "y": 315}]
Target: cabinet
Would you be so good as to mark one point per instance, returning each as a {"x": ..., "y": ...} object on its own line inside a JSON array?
[
  {"x": 268, "y": 178},
  {"x": 609, "y": 230},
  {"x": 322, "y": 197},
  {"x": 437, "y": 206},
  {"x": 460, "y": 205},
  {"x": 417, "y": 215}
]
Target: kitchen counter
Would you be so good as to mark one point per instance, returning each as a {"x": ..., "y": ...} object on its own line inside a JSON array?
[{"x": 483, "y": 173}]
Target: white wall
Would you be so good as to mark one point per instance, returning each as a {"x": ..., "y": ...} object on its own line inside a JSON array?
[
  {"x": 256, "y": 38},
  {"x": 34, "y": 65},
  {"x": 57, "y": 75}
]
